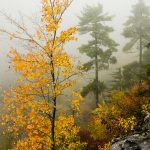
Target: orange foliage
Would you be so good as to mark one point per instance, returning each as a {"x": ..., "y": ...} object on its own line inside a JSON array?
[
  {"x": 45, "y": 71},
  {"x": 120, "y": 115}
]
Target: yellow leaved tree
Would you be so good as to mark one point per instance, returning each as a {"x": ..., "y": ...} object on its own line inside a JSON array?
[{"x": 45, "y": 72}]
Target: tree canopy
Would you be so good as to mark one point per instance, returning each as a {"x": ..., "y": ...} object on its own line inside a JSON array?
[{"x": 100, "y": 47}]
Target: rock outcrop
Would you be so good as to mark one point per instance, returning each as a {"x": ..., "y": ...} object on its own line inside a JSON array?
[{"x": 139, "y": 140}]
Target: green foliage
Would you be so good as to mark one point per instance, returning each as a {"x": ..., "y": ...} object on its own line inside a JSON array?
[
  {"x": 147, "y": 45},
  {"x": 92, "y": 21},
  {"x": 146, "y": 60},
  {"x": 91, "y": 87},
  {"x": 137, "y": 31},
  {"x": 99, "y": 48},
  {"x": 92, "y": 15},
  {"x": 124, "y": 78},
  {"x": 127, "y": 76},
  {"x": 137, "y": 25},
  {"x": 118, "y": 81},
  {"x": 131, "y": 74},
  {"x": 148, "y": 70},
  {"x": 146, "y": 56}
]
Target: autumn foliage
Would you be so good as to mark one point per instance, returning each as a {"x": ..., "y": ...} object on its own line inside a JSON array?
[
  {"x": 120, "y": 115},
  {"x": 42, "y": 111},
  {"x": 45, "y": 72}
]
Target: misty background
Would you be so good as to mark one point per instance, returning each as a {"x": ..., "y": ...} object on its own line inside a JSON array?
[{"x": 120, "y": 9}]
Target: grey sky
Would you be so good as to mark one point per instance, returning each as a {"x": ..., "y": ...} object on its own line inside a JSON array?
[{"x": 119, "y": 8}]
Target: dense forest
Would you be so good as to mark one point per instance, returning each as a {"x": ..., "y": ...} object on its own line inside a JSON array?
[{"x": 60, "y": 102}]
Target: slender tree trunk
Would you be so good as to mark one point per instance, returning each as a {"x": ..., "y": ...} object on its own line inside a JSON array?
[
  {"x": 141, "y": 48},
  {"x": 140, "y": 59},
  {"x": 53, "y": 119},
  {"x": 53, "y": 124},
  {"x": 96, "y": 80},
  {"x": 96, "y": 69},
  {"x": 54, "y": 108}
]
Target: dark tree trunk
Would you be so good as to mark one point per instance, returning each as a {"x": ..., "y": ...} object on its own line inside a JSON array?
[
  {"x": 96, "y": 68},
  {"x": 54, "y": 100},
  {"x": 141, "y": 48},
  {"x": 53, "y": 124},
  {"x": 140, "y": 59},
  {"x": 96, "y": 80}
]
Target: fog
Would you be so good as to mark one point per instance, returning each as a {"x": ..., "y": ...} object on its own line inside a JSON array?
[
  {"x": 120, "y": 9},
  {"x": 55, "y": 107}
]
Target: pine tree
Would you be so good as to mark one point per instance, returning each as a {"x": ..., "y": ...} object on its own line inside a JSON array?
[
  {"x": 91, "y": 88},
  {"x": 125, "y": 78},
  {"x": 128, "y": 76},
  {"x": 100, "y": 47},
  {"x": 137, "y": 29}
]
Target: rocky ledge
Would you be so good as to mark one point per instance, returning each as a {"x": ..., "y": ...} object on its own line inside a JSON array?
[{"x": 139, "y": 140}]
